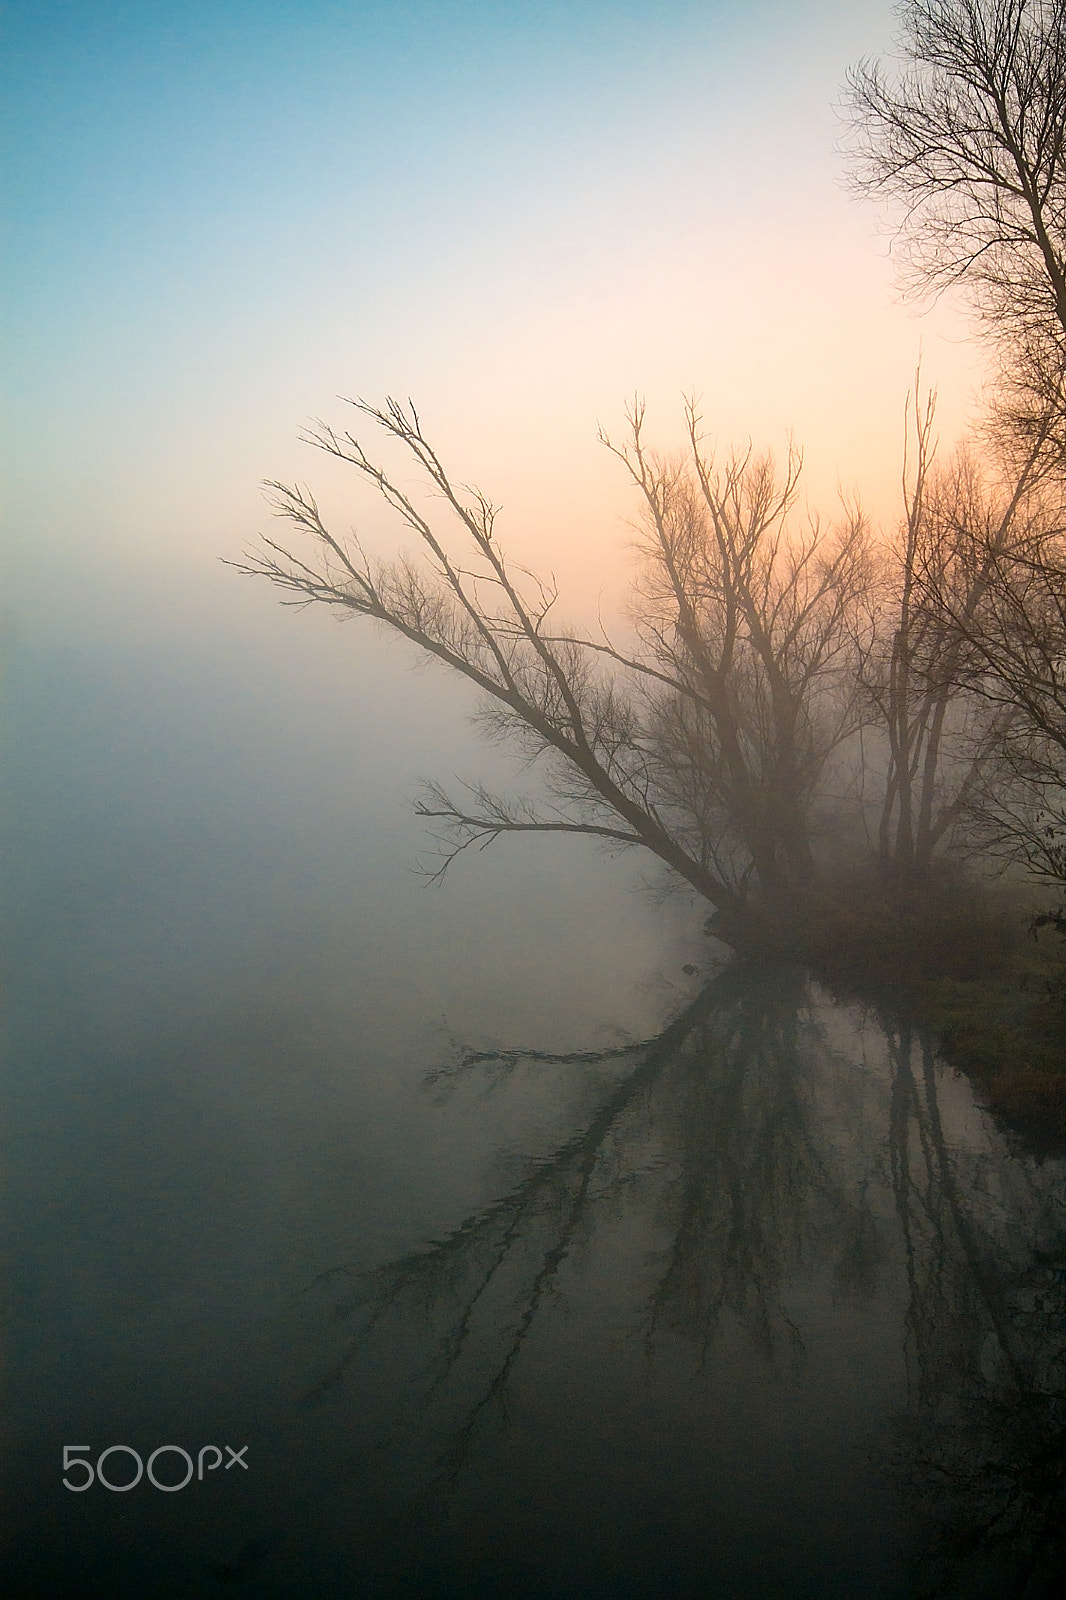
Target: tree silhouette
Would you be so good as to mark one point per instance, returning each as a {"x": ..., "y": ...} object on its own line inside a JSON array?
[{"x": 707, "y": 742}]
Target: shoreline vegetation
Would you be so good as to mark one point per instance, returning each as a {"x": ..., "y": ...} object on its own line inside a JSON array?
[{"x": 979, "y": 969}]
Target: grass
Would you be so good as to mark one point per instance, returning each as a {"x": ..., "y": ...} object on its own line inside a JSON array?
[
  {"x": 963, "y": 963},
  {"x": 1008, "y": 1034}
]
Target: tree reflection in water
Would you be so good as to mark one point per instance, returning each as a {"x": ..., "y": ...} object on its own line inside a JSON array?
[
  {"x": 756, "y": 1153},
  {"x": 985, "y": 1249}
]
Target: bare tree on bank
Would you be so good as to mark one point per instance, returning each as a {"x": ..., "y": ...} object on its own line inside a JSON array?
[
  {"x": 969, "y": 135},
  {"x": 1010, "y": 648},
  {"x": 706, "y": 742},
  {"x": 946, "y": 726},
  {"x": 910, "y": 684},
  {"x": 754, "y": 628}
]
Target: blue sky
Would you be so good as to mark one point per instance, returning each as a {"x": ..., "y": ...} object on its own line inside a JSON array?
[{"x": 221, "y": 216}]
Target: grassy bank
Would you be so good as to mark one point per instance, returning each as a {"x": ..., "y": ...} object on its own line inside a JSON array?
[{"x": 964, "y": 964}]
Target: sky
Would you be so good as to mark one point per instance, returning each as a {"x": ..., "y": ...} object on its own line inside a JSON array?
[{"x": 220, "y": 217}]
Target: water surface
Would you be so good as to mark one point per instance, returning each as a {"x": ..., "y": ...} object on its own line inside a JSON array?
[{"x": 524, "y": 1262}]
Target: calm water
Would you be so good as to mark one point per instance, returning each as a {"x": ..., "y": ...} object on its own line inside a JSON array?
[{"x": 523, "y": 1262}]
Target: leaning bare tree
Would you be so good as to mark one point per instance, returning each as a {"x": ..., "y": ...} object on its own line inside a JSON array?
[
  {"x": 969, "y": 136},
  {"x": 705, "y": 742}
]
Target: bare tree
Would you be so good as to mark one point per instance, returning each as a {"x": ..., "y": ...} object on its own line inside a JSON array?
[
  {"x": 750, "y": 624},
  {"x": 926, "y": 682},
  {"x": 1010, "y": 647},
  {"x": 970, "y": 135},
  {"x": 705, "y": 742},
  {"x": 905, "y": 678}
]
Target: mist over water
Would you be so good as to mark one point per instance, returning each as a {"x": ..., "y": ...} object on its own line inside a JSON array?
[{"x": 718, "y": 1294}]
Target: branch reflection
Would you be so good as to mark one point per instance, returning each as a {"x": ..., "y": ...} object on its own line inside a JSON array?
[
  {"x": 766, "y": 1152},
  {"x": 984, "y": 1454}
]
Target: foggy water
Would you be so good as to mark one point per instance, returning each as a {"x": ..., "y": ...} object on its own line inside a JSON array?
[{"x": 523, "y": 1262}]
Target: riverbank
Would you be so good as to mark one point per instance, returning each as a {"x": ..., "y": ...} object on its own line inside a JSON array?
[
  {"x": 966, "y": 965},
  {"x": 1009, "y": 1036}
]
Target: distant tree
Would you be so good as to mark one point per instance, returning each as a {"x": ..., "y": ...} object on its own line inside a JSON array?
[
  {"x": 909, "y": 678},
  {"x": 969, "y": 135},
  {"x": 947, "y": 719},
  {"x": 1009, "y": 644},
  {"x": 706, "y": 742}
]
